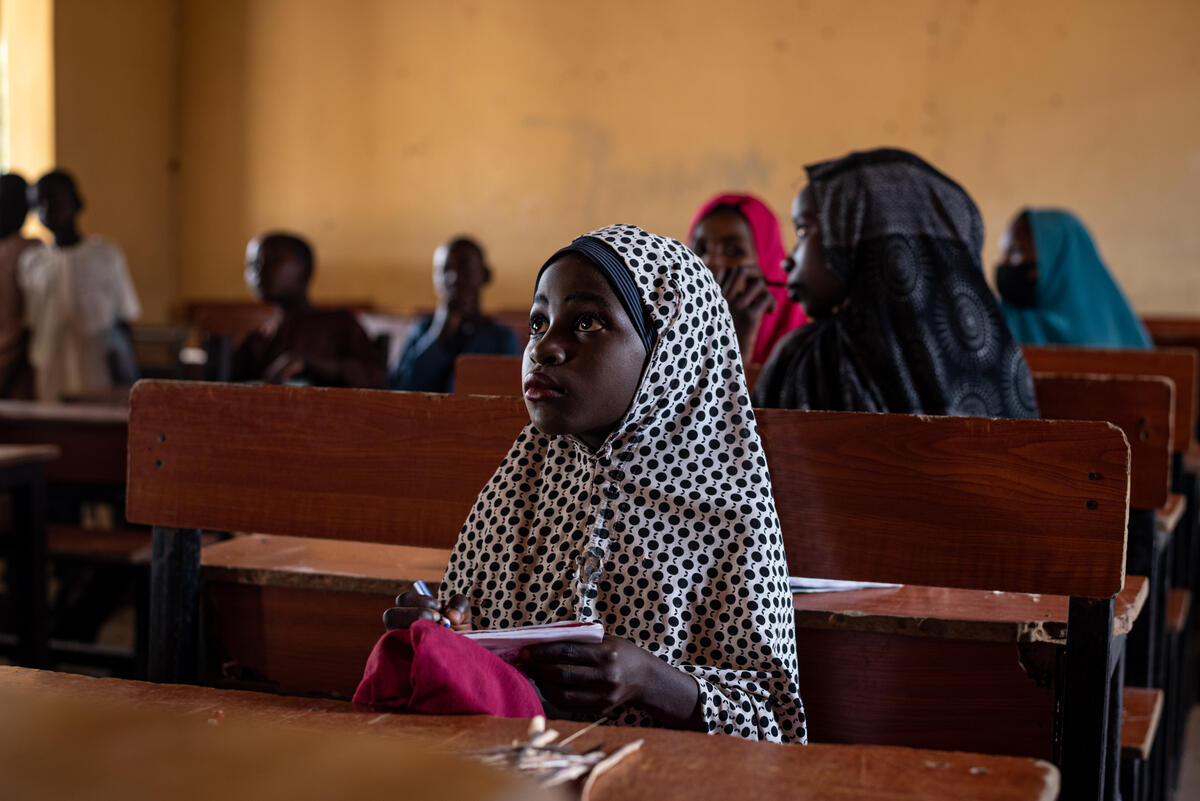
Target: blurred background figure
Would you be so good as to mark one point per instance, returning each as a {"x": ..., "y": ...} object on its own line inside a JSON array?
[
  {"x": 300, "y": 344},
  {"x": 738, "y": 238},
  {"x": 79, "y": 301},
  {"x": 1055, "y": 290},
  {"x": 16, "y": 375},
  {"x": 457, "y": 326}
]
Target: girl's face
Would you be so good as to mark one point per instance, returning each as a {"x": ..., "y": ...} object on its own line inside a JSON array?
[
  {"x": 723, "y": 240},
  {"x": 584, "y": 359},
  {"x": 810, "y": 281}
]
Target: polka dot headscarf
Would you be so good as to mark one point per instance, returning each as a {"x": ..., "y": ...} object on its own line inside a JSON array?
[{"x": 667, "y": 535}]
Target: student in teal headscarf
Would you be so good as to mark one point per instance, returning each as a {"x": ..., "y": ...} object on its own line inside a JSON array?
[{"x": 1054, "y": 289}]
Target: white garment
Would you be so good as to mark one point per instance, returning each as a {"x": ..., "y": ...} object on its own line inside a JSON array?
[
  {"x": 667, "y": 535},
  {"x": 74, "y": 297}
]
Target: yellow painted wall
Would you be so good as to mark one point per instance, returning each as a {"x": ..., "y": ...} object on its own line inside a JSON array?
[
  {"x": 28, "y": 27},
  {"x": 379, "y": 127},
  {"x": 116, "y": 106}
]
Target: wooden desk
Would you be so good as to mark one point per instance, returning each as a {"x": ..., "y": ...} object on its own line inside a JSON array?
[
  {"x": 23, "y": 474},
  {"x": 671, "y": 765},
  {"x": 54, "y": 745},
  {"x": 90, "y": 436}
]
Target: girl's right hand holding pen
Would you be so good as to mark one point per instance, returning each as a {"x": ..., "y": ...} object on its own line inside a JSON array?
[{"x": 411, "y": 606}]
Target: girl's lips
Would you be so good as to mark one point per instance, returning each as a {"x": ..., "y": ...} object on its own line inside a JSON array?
[{"x": 539, "y": 386}]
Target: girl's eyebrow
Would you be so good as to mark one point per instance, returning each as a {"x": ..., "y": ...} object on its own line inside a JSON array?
[{"x": 588, "y": 296}]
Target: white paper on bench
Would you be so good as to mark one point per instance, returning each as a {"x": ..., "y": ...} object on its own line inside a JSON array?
[
  {"x": 802, "y": 584},
  {"x": 507, "y": 643}
]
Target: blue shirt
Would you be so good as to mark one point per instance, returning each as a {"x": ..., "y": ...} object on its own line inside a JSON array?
[{"x": 427, "y": 366}]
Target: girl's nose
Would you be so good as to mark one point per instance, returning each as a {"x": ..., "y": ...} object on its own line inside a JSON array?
[{"x": 549, "y": 349}]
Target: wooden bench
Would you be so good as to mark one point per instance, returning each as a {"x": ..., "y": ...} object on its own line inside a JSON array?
[
  {"x": 92, "y": 439},
  {"x": 23, "y": 478},
  {"x": 670, "y": 765},
  {"x": 954, "y": 501},
  {"x": 237, "y": 318}
]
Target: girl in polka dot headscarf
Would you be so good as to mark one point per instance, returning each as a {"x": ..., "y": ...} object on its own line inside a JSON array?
[{"x": 638, "y": 497}]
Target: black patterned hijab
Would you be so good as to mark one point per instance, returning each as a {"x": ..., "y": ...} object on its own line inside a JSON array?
[{"x": 920, "y": 331}]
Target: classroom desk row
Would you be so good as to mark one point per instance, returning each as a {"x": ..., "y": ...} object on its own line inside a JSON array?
[
  {"x": 669, "y": 765},
  {"x": 280, "y": 577}
]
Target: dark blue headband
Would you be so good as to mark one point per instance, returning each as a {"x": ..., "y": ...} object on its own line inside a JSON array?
[{"x": 599, "y": 253}]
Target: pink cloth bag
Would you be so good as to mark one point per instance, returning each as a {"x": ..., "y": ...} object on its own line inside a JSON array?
[{"x": 428, "y": 668}]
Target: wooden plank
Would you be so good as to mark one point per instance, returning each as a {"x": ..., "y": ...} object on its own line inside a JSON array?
[
  {"x": 1141, "y": 708},
  {"x": 92, "y": 438},
  {"x": 880, "y": 689},
  {"x": 1174, "y": 330},
  {"x": 289, "y": 639},
  {"x": 118, "y": 546},
  {"x": 277, "y": 561},
  {"x": 1015, "y": 505},
  {"x": 64, "y": 747},
  {"x": 487, "y": 374},
  {"x": 236, "y": 318},
  {"x": 17, "y": 455},
  {"x": 400, "y": 468},
  {"x": 671, "y": 764},
  {"x": 1177, "y": 364},
  {"x": 1007, "y": 617},
  {"x": 1179, "y": 602},
  {"x": 1141, "y": 406}
]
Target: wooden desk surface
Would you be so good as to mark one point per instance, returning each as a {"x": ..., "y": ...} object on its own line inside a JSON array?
[
  {"x": 340, "y": 565},
  {"x": 957, "y": 614},
  {"x": 61, "y": 747},
  {"x": 13, "y": 455},
  {"x": 671, "y": 765},
  {"x": 39, "y": 411}
]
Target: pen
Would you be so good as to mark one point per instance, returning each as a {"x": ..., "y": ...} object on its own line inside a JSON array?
[{"x": 423, "y": 589}]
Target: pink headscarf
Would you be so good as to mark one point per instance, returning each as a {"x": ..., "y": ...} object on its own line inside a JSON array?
[{"x": 768, "y": 246}]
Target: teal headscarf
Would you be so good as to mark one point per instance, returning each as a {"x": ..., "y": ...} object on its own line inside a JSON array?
[{"x": 1078, "y": 302}]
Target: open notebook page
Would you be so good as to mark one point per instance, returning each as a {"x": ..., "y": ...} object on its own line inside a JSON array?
[
  {"x": 802, "y": 584},
  {"x": 507, "y": 643}
]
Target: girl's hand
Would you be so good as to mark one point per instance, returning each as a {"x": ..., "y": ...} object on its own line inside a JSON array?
[
  {"x": 412, "y": 606},
  {"x": 749, "y": 298},
  {"x": 588, "y": 677}
]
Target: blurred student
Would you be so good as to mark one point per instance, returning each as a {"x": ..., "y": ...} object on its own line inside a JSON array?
[
  {"x": 1055, "y": 290},
  {"x": 460, "y": 272},
  {"x": 737, "y": 236},
  {"x": 887, "y": 263},
  {"x": 16, "y": 376},
  {"x": 79, "y": 301},
  {"x": 300, "y": 344}
]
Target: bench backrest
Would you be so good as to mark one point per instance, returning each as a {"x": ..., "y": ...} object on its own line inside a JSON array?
[
  {"x": 91, "y": 437},
  {"x": 1018, "y": 505},
  {"x": 1141, "y": 406},
  {"x": 1177, "y": 364},
  {"x": 236, "y": 318}
]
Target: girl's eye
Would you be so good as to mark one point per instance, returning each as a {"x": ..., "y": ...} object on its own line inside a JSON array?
[
  {"x": 734, "y": 252},
  {"x": 802, "y": 229},
  {"x": 537, "y": 325},
  {"x": 589, "y": 322}
]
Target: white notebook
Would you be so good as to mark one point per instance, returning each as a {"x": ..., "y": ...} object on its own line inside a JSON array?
[
  {"x": 507, "y": 643},
  {"x": 802, "y": 584}
]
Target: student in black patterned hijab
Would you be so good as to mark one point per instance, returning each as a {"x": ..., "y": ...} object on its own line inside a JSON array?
[{"x": 887, "y": 262}]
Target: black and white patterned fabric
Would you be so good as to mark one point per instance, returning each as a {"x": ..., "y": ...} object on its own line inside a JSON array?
[
  {"x": 667, "y": 535},
  {"x": 920, "y": 331}
]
